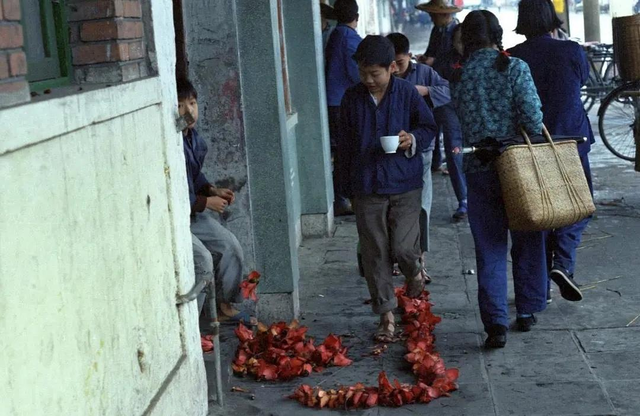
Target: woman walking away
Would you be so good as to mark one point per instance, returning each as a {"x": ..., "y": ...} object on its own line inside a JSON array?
[
  {"x": 559, "y": 68},
  {"x": 495, "y": 96}
]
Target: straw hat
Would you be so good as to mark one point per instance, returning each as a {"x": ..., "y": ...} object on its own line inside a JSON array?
[{"x": 438, "y": 6}]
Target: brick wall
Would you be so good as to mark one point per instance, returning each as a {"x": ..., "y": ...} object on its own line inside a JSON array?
[
  {"x": 107, "y": 40},
  {"x": 13, "y": 63}
]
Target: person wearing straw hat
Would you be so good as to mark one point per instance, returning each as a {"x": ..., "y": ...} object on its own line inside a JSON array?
[{"x": 439, "y": 55}]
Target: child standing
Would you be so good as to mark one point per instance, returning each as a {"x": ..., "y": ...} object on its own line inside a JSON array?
[
  {"x": 386, "y": 188},
  {"x": 216, "y": 251},
  {"x": 435, "y": 91}
]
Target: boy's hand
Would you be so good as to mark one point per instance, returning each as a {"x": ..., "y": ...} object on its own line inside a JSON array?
[
  {"x": 217, "y": 204},
  {"x": 406, "y": 140},
  {"x": 422, "y": 90},
  {"x": 226, "y": 194}
]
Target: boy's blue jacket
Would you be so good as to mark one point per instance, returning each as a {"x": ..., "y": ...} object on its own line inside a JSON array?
[
  {"x": 341, "y": 70},
  {"x": 362, "y": 167},
  {"x": 195, "y": 150}
]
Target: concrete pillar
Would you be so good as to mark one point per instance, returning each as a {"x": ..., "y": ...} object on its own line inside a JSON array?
[
  {"x": 210, "y": 42},
  {"x": 307, "y": 86},
  {"x": 591, "y": 21},
  {"x": 267, "y": 142}
]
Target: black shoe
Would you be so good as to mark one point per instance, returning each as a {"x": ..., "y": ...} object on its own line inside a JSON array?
[
  {"x": 568, "y": 288},
  {"x": 497, "y": 337},
  {"x": 549, "y": 300},
  {"x": 525, "y": 324}
]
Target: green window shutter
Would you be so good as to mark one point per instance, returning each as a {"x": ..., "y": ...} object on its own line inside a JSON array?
[{"x": 46, "y": 41}]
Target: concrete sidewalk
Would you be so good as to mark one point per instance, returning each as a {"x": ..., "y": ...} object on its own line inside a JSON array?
[{"x": 581, "y": 359}]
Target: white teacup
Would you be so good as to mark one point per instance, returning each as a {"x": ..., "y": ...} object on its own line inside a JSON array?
[{"x": 390, "y": 143}]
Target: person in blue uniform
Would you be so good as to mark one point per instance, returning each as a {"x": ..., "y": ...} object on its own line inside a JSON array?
[
  {"x": 435, "y": 91},
  {"x": 341, "y": 73},
  {"x": 386, "y": 187},
  {"x": 559, "y": 69},
  {"x": 495, "y": 95},
  {"x": 439, "y": 55}
]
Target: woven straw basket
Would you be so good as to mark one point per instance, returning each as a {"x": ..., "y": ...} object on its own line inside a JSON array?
[{"x": 543, "y": 185}]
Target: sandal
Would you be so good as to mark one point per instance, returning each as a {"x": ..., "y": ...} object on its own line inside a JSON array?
[
  {"x": 415, "y": 285},
  {"x": 386, "y": 332},
  {"x": 427, "y": 278},
  {"x": 242, "y": 317}
]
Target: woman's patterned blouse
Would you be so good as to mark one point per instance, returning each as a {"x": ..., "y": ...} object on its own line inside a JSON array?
[{"x": 494, "y": 104}]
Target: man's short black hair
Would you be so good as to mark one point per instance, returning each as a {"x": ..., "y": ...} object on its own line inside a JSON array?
[
  {"x": 186, "y": 90},
  {"x": 536, "y": 18},
  {"x": 375, "y": 50},
  {"x": 400, "y": 43},
  {"x": 345, "y": 11}
]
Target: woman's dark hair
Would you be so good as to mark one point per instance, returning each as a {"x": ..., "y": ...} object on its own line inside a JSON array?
[
  {"x": 537, "y": 18},
  {"x": 400, "y": 43},
  {"x": 186, "y": 90},
  {"x": 481, "y": 29}
]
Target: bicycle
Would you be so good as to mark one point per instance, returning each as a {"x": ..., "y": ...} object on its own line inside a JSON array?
[
  {"x": 603, "y": 74},
  {"x": 619, "y": 120}
]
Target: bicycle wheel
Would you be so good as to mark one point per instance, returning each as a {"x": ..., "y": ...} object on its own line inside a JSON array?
[{"x": 617, "y": 118}]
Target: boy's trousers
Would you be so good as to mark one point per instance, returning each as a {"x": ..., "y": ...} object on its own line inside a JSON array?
[
  {"x": 388, "y": 227},
  {"x": 488, "y": 221},
  {"x": 217, "y": 252}
]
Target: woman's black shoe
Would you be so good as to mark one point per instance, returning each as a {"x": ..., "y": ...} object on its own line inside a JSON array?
[
  {"x": 568, "y": 287},
  {"x": 525, "y": 324},
  {"x": 497, "y": 337}
]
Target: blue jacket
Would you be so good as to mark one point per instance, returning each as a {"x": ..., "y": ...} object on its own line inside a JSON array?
[
  {"x": 441, "y": 48},
  {"x": 340, "y": 67},
  {"x": 439, "y": 94},
  {"x": 559, "y": 69},
  {"x": 362, "y": 166},
  {"x": 195, "y": 150}
]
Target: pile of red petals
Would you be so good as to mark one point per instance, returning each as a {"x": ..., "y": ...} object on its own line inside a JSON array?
[
  {"x": 249, "y": 285},
  {"x": 433, "y": 379},
  {"x": 282, "y": 352}
]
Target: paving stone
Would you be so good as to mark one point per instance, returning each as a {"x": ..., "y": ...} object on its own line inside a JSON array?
[
  {"x": 625, "y": 396},
  {"x": 547, "y": 398},
  {"x": 469, "y": 400},
  {"x": 534, "y": 342},
  {"x": 614, "y": 339},
  {"x": 458, "y": 343},
  {"x": 621, "y": 365},
  {"x": 542, "y": 367},
  {"x": 470, "y": 366}
]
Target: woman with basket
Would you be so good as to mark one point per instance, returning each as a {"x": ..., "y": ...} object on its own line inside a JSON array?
[
  {"x": 559, "y": 69},
  {"x": 495, "y": 96}
]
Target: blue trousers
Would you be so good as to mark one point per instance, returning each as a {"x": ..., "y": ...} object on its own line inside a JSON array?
[
  {"x": 562, "y": 243},
  {"x": 488, "y": 221},
  {"x": 449, "y": 125}
]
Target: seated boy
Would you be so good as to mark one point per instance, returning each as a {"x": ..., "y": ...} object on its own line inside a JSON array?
[
  {"x": 216, "y": 251},
  {"x": 386, "y": 188}
]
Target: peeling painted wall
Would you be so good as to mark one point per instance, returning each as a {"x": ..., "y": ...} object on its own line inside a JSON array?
[{"x": 94, "y": 248}]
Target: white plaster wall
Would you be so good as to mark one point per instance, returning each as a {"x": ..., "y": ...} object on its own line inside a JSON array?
[{"x": 94, "y": 247}]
